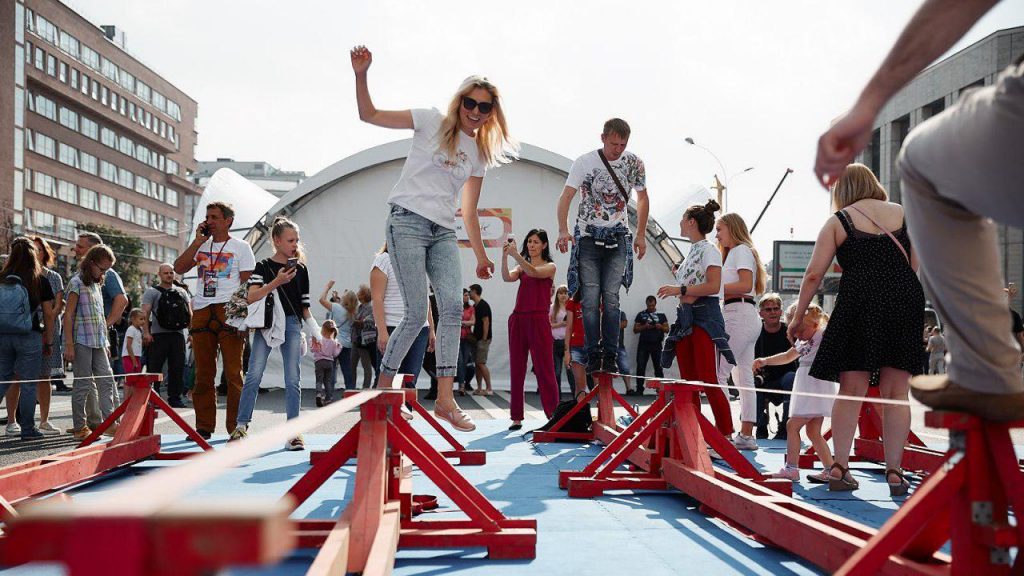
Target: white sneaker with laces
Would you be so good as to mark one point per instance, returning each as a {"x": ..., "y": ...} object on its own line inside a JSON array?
[
  {"x": 48, "y": 429},
  {"x": 742, "y": 442},
  {"x": 13, "y": 429}
]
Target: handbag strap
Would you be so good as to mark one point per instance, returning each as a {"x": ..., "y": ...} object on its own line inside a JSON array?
[
  {"x": 622, "y": 189},
  {"x": 887, "y": 233}
]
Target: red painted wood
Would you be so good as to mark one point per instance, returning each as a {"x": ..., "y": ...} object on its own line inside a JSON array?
[
  {"x": 68, "y": 468},
  {"x": 371, "y": 478},
  {"x": 325, "y": 466}
]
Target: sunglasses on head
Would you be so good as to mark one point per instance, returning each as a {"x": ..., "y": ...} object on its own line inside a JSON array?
[{"x": 484, "y": 107}]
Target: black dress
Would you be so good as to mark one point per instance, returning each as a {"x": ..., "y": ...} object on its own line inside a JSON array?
[{"x": 879, "y": 311}]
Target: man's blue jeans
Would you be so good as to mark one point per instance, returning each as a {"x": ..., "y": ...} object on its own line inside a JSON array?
[{"x": 601, "y": 271}]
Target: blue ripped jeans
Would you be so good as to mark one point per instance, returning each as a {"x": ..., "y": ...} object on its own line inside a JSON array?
[
  {"x": 601, "y": 271},
  {"x": 419, "y": 249}
]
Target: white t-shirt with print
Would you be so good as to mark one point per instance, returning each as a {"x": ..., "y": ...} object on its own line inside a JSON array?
[
  {"x": 601, "y": 202},
  {"x": 394, "y": 304},
  {"x": 136, "y": 335},
  {"x": 431, "y": 182},
  {"x": 694, "y": 270},
  {"x": 741, "y": 257},
  {"x": 232, "y": 257}
]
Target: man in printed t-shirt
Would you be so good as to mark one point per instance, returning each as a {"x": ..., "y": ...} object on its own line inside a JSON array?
[
  {"x": 223, "y": 264},
  {"x": 602, "y": 254}
]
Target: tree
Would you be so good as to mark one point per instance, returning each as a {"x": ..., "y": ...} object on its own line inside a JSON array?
[
  {"x": 7, "y": 234},
  {"x": 129, "y": 251}
]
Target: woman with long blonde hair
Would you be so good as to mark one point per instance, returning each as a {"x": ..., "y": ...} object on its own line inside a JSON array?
[
  {"x": 743, "y": 281},
  {"x": 873, "y": 334},
  {"x": 450, "y": 153}
]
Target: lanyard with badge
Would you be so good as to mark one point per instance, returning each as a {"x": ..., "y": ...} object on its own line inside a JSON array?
[{"x": 210, "y": 273}]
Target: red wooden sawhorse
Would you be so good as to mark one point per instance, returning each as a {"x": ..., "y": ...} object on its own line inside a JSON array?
[
  {"x": 965, "y": 501},
  {"x": 760, "y": 509},
  {"x": 605, "y": 422},
  {"x": 143, "y": 527},
  {"x": 868, "y": 447},
  {"x": 386, "y": 443},
  {"x": 465, "y": 456},
  {"x": 133, "y": 441},
  {"x": 646, "y": 442}
]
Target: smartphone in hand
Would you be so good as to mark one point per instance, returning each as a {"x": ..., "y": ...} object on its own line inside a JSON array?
[{"x": 292, "y": 263}]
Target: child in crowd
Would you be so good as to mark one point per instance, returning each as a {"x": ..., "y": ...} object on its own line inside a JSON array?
[
  {"x": 85, "y": 338},
  {"x": 324, "y": 354},
  {"x": 809, "y": 411},
  {"x": 574, "y": 357},
  {"x": 131, "y": 350}
]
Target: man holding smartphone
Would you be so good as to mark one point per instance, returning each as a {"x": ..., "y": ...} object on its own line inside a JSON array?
[{"x": 223, "y": 264}]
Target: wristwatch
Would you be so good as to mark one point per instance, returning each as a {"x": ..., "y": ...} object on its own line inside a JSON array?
[{"x": 682, "y": 290}]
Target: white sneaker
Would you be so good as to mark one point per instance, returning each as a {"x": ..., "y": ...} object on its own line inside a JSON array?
[
  {"x": 240, "y": 431},
  {"x": 406, "y": 413},
  {"x": 713, "y": 454},
  {"x": 296, "y": 443},
  {"x": 789, "y": 473},
  {"x": 48, "y": 429},
  {"x": 13, "y": 429},
  {"x": 742, "y": 442}
]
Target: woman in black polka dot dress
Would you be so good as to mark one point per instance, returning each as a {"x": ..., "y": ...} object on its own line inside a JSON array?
[{"x": 873, "y": 333}]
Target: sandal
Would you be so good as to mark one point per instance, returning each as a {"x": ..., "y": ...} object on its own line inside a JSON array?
[
  {"x": 516, "y": 426},
  {"x": 900, "y": 488},
  {"x": 457, "y": 418},
  {"x": 819, "y": 478},
  {"x": 843, "y": 483}
]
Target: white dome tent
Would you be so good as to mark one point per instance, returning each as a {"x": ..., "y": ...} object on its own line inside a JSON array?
[
  {"x": 342, "y": 210},
  {"x": 249, "y": 201}
]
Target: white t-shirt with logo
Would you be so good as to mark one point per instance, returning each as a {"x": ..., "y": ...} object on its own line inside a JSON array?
[
  {"x": 394, "y": 304},
  {"x": 136, "y": 335},
  {"x": 218, "y": 265},
  {"x": 601, "y": 202},
  {"x": 431, "y": 182},
  {"x": 740, "y": 257},
  {"x": 694, "y": 270}
]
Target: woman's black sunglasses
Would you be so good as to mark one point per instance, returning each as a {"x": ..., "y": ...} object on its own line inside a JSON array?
[{"x": 469, "y": 104}]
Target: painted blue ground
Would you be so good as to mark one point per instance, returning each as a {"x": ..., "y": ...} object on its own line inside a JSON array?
[{"x": 653, "y": 533}]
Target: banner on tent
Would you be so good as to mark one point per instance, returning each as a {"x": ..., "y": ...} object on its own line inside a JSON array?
[{"x": 495, "y": 226}]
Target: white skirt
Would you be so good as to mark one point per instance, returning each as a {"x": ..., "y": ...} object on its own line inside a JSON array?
[{"x": 811, "y": 406}]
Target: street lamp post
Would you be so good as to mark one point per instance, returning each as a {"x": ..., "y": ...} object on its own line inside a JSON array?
[{"x": 722, "y": 189}]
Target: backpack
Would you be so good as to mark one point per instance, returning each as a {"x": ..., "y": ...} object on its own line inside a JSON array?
[
  {"x": 15, "y": 310},
  {"x": 580, "y": 421},
  {"x": 172, "y": 311}
]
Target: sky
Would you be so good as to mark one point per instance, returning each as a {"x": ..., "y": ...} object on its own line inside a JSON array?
[{"x": 754, "y": 82}]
